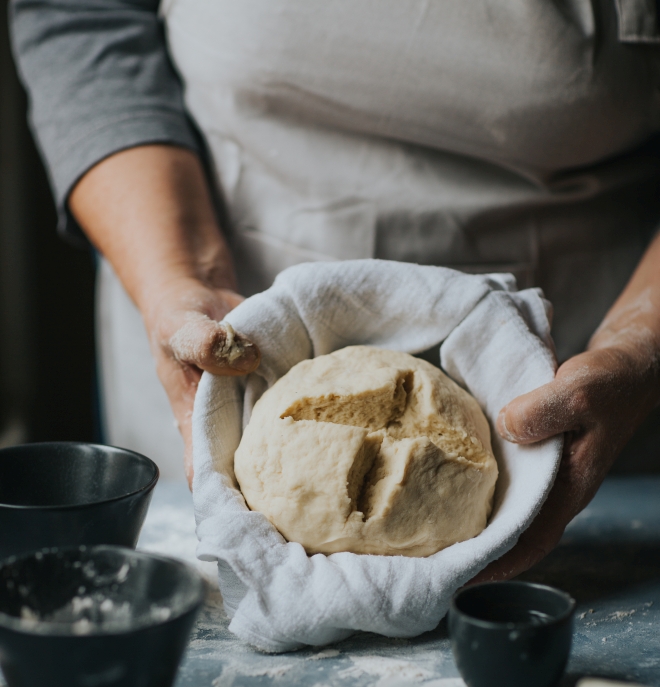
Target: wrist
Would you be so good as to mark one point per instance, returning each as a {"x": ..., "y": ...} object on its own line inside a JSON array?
[
  {"x": 637, "y": 340},
  {"x": 634, "y": 349},
  {"x": 632, "y": 323},
  {"x": 181, "y": 295},
  {"x": 201, "y": 261}
]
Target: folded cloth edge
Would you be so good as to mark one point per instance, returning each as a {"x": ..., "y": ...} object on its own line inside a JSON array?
[{"x": 213, "y": 388}]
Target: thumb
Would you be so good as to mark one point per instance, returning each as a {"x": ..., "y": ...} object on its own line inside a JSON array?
[
  {"x": 545, "y": 412},
  {"x": 213, "y": 346}
]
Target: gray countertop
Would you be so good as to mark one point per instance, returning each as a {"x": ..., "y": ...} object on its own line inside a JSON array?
[{"x": 609, "y": 560}]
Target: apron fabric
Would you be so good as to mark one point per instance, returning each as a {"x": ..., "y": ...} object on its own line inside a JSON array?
[
  {"x": 483, "y": 136},
  {"x": 134, "y": 406}
]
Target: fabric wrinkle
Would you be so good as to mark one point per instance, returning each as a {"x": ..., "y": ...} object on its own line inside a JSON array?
[{"x": 292, "y": 600}]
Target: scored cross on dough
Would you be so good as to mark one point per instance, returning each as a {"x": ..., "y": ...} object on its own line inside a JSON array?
[{"x": 370, "y": 451}]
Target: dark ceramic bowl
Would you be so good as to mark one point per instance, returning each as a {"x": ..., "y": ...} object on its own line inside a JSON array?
[
  {"x": 103, "y": 616},
  {"x": 511, "y": 634},
  {"x": 67, "y": 494}
]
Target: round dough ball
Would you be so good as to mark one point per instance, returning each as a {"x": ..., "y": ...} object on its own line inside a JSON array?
[{"x": 370, "y": 451}]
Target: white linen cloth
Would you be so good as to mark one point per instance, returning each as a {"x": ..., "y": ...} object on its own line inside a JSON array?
[{"x": 494, "y": 341}]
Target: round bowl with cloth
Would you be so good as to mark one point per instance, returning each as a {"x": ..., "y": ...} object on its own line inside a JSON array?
[{"x": 492, "y": 340}]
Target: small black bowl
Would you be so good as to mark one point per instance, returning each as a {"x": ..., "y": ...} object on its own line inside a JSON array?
[
  {"x": 103, "y": 616},
  {"x": 69, "y": 493},
  {"x": 511, "y": 634}
]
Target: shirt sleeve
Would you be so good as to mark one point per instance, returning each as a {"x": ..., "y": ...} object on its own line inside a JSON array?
[{"x": 99, "y": 80}]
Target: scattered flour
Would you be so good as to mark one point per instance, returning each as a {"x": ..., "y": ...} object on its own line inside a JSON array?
[
  {"x": 328, "y": 653},
  {"x": 160, "y": 613},
  {"x": 387, "y": 669},
  {"x": 28, "y": 615},
  {"x": 93, "y": 613},
  {"x": 616, "y": 616},
  {"x": 82, "y": 627},
  {"x": 275, "y": 671},
  {"x": 80, "y": 603},
  {"x": 122, "y": 574},
  {"x": 620, "y": 615},
  {"x": 272, "y": 672}
]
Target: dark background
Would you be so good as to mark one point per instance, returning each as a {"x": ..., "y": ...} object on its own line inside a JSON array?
[{"x": 47, "y": 388}]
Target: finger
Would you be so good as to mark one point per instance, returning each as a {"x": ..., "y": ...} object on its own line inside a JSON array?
[
  {"x": 180, "y": 383},
  {"x": 551, "y": 409},
  {"x": 183, "y": 415},
  {"x": 214, "y": 347},
  {"x": 186, "y": 433}
]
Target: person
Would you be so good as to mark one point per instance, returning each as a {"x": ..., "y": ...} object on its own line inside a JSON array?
[{"x": 203, "y": 147}]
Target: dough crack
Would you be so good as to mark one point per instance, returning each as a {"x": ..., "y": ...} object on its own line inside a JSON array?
[
  {"x": 375, "y": 410},
  {"x": 372, "y": 409},
  {"x": 357, "y": 482}
]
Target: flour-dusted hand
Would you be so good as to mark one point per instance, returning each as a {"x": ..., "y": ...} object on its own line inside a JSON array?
[{"x": 598, "y": 400}]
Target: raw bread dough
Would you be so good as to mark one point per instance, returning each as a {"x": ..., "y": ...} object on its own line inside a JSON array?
[{"x": 370, "y": 451}]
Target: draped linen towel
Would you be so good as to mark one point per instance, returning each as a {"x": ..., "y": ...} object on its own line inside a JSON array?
[{"x": 495, "y": 341}]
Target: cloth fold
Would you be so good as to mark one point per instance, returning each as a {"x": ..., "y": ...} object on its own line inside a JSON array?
[{"x": 493, "y": 340}]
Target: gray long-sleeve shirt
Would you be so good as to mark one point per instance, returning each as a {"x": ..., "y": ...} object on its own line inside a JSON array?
[{"x": 99, "y": 80}]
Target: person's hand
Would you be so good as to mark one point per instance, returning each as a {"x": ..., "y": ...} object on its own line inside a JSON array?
[
  {"x": 597, "y": 400},
  {"x": 186, "y": 338}
]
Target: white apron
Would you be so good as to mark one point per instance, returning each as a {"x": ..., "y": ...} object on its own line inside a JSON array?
[{"x": 482, "y": 136}]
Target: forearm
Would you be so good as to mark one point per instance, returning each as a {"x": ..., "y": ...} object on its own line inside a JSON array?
[
  {"x": 633, "y": 322},
  {"x": 149, "y": 212},
  {"x": 597, "y": 401}
]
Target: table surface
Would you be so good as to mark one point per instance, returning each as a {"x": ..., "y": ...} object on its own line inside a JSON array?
[{"x": 609, "y": 560}]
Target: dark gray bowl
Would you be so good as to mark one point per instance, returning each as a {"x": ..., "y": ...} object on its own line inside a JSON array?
[
  {"x": 511, "y": 634},
  {"x": 69, "y": 493},
  {"x": 103, "y": 616}
]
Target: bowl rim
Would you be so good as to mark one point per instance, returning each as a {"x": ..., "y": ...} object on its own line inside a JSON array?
[
  {"x": 76, "y": 506},
  {"x": 54, "y": 629},
  {"x": 511, "y": 625}
]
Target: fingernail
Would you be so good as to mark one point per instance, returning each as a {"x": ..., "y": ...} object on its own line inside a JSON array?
[{"x": 502, "y": 426}]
